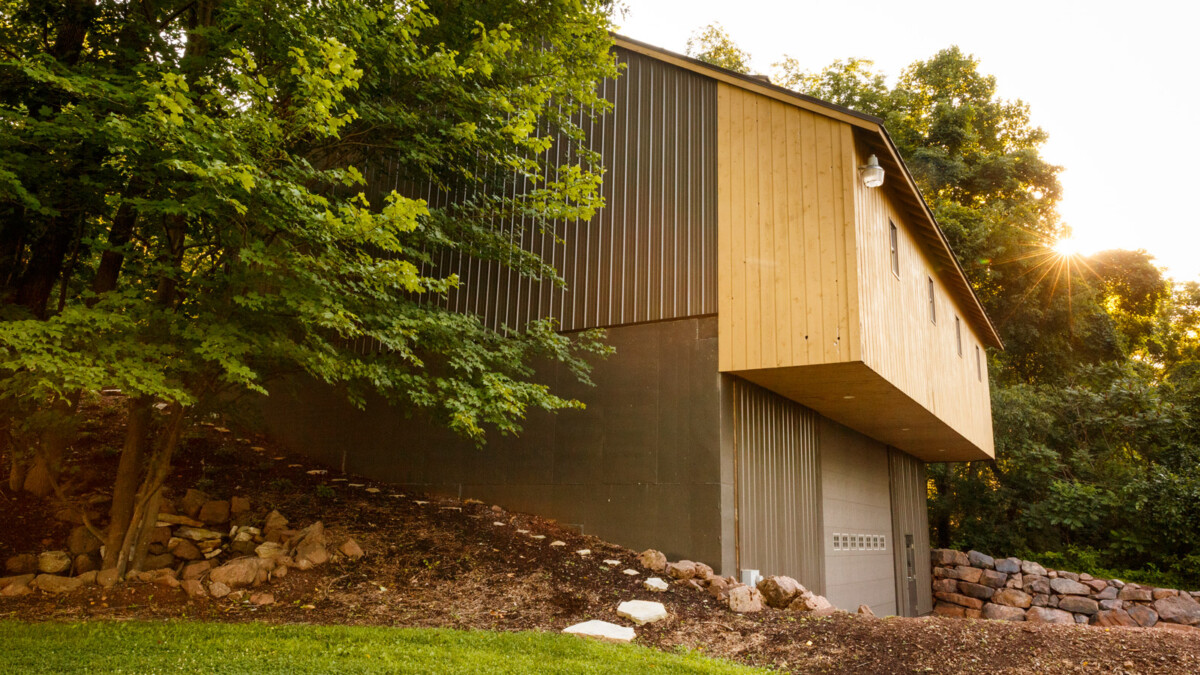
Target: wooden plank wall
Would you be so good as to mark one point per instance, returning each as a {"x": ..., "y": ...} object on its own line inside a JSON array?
[
  {"x": 785, "y": 276},
  {"x": 898, "y": 340}
]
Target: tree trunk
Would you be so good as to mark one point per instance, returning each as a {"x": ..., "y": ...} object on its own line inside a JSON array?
[
  {"x": 47, "y": 461},
  {"x": 129, "y": 475},
  {"x": 145, "y": 511}
]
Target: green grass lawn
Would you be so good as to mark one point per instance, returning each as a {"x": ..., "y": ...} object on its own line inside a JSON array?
[{"x": 139, "y": 647}]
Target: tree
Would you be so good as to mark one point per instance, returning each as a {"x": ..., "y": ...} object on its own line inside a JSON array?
[
  {"x": 185, "y": 213},
  {"x": 712, "y": 44}
]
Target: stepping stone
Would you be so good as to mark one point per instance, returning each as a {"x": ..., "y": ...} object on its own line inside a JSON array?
[
  {"x": 522, "y": 531},
  {"x": 339, "y": 480},
  {"x": 558, "y": 543},
  {"x": 452, "y": 508},
  {"x": 295, "y": 466},
  {"x": 655, "y": 584},
  {"x": 584, "y": 551},
  {"x": 355, "y": 484},
  {"x": 537, "y": 536},
  {"x": 498, "y": 523},
  {"x": 276, "y": 458},
  {"x": 373, "y": 490},
  {"x": 632, "y": 573},
  {"x": 614, "y": 563},
  {"x": 317, "y": 472},
  {"x": 642, "y": 612},
  {"x": 601, "y": 630},
  {"x": 420, "y": 503},
  {"x": 258, "y": 448}
]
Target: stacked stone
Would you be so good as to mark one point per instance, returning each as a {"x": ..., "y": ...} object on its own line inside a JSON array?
[{"x": 975, "y": 585}]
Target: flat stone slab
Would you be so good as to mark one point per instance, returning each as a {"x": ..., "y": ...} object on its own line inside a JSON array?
[
  {"x": 601, "y": 630},
  {"x": 642, "y": 612},
  {"x": 656, "y": 584}
]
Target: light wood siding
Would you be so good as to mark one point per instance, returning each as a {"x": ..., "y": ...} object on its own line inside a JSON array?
[
  {"x": 899, "y": 342},
  {"x": 786, "y": 272}
]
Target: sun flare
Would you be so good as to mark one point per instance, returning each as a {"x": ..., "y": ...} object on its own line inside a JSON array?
[{"x": 1068, "y": 247}]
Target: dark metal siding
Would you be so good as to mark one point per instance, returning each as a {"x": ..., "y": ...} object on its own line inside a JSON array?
[
  {"x": 910, "y": 516},
  {"x": 650, "y": 253},
  {"x": 779, "y": 521}
]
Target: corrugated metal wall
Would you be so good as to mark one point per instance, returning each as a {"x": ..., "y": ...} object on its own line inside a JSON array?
[
  {"x": 910, "y": 516},
  {"x": 778, "y": 486},
  {"x": 650, "y": 253}
]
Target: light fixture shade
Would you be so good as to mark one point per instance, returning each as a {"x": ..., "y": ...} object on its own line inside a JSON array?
[{"x": 872, "y": 173}]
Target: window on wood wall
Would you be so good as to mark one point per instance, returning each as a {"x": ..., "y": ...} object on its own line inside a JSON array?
[
  {"x": 895, "y": 244},
  {"x": 978, "y": 364},
  {"x": 958, "y": 334},
  {"x": 932, "y": 304}
]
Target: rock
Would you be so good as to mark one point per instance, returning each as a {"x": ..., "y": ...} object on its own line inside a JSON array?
[
  {"x": 1049, "y": 615},
  {"x": 1064, "y": 586},
  {"x": 865, "y": 610},
  {"x": 88, "y": 578},
  {"x": 82, "y": 541},
  {"x": 1068, "y": 575},
  {"x": 192, "y": 502},
  {"x": 601, "y": 630},
  {"x": 262, "y": 599},
  {"x": 218, "y": 590},
  {"x": 161, "y": 577},
  {"x": 943, "y": 557},
  {"x": 309, "y": 544},
  {"x": 274, "y": 521},
  {"x": 703, "y": 572},
  {"x": 1113, "y": 617},
  {"x": 54, "y": 584},
  {"x": 1079, "y": 605},
  {"x": 25, "y": 563},
  {"x": 351, "y": 549},
  {"x": 198, "y": 534},
  {"x": 684, "y": 569},
  {"x": 1097, "y": 585},
  {"x": 743, "y": 599},
  {"x": 1112, "y": 604},
  {"x": 1008, "y": 565},
  {"x": 810, "y": 602},
  {"x": 779, "y": 591},
  {"x": 1144, "y": 616},
  {"x": 1029, "y": 567},
  {"x": 653, "y": 560},
  {"x": 186, "y": 550},
  {"x": 1107, "y": 593},
  {"x": 946, "y": 609},
  {"x": 945, "y": 586},
  {"x": 1181, "y": 609},
  {"x": 968, "y": 574},
  {"x": 84, "y": 563},
  {"x": 53, "y": 562},
  {"x": 107, "y": 578},
  {"x": 1160, "y": 593},
  {"x": 214, "y": 512},
  {"x": 160, "y": 535},
  {"x": 1133, "y": 593},
  {"x": 978, "y": 559},
  {"x": 1012, "y": 598},
  {"x": 158, "y": 562},
  {"x": 959, "y": 599},
  {"x": 280, "y": 572},
  {"x": 1003, "y": 612},
  {"x": 17, "y": 586},
  {"x": 197, "y": 569},
  {"x": 239, "y": 505},
  {"x": 176, "y": 519},
  {"x": 630, "y": 572},
  {"x": 1041, "y": 600},
  {"x": 993, "y": 579},
  {"x": 1081, "y": 619},
  {"x": 655, "y": 584},
  {"x": 718, "y": 587},
  {"x": 976, "y": 590},
  {"x": 20, "y": 579},
  {"x": 236, "y": 573},
  {"x": 1035, "y": 584},
  {"x": 193, "y": 588},
  {"x": 642, "y": 612}
]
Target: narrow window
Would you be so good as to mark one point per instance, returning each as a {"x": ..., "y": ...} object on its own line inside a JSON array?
[
  {"x": 978, "y": 365},
  {"x": 895, "y": 244},
  {"x": 958, "y": 334},
  {"x": 932, "y": 306}
]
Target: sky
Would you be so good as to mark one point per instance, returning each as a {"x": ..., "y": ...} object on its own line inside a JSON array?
[{"x": 1116, "y": 86}]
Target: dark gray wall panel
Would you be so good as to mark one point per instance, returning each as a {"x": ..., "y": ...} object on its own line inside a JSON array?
[
  {"x": 650, "y": 253},
  {"x": 910, "y": 516},
  {"x": 641, "y": 466},
  {"x": 778, "y": 486}
]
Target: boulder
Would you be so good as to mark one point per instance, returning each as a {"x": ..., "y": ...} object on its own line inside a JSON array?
[
  {"x": 1068, "y": 575},
  {"x": 81, "y": 541},
  {"x": 1160, "y": 593},
  {"x": 943, "y": 557},
  {"x": 1079, "y": 605},
  {"x": 158, "y": 562},
  {"x": 107, "y": 578},
  {"x": 976, "y": 590},
  {"x": 186, "y": 549},
  {"x": 1012, "y": 598},
  {"x": 993, "y": 579},
  {"x": 214, "y": 512},
  {"x": 351, "y": 549},
  {"x": 1030, "y": 567},
  {"x": 1113, "y": 617},
  {"x": 718, "y": 587},
  {"x": 54, "y": 584},
  {"x": 192, "y": 502},
  {"x": 601, "y": 630},
  {"x": 262, "y": 599},
  {"x": 655, "y": 584},
  {"x": 1041, "y": 600},
  {"x": 642, "y": 612},
  {"x": 684, "y": 569},
  {"x": 743, "y": 599},
  {"x": 1144, "y": 616},
  {"x": 88, "y": 578},
  {"x": 982, "y": 560},
  {"x": 309, "y": 544},
  {"x": 1016, "y": 581},
  {"x": 1108, "y": 593},
  {"x": 1008, "y": 565},
  {"x": 945, "y": 586},
  {"x": 218, "y": 590},
  {"x": 1097, "y": 585},
  {"x": 1064, "y": 586},
  {"x": 1133, "y": 593},
  {"x": 1081, "y": 619},
  {"x": 653, "y": 560},
  {"x": 269, "y": 550},
  {"x": 968, "y": 574},
  {"x": 779, "y": 591},
  {"x": 1181, "y": 609},
  {"x": 1003, "y": 612},
  {"x": 1112, "y": 604},
  {"x": 53, "y": 562},
  {"x": 1049, "y": 615},
  {"x": 193, "y": 588},
  {"x": 1033, "y": 583},
  {"x": 961, "y": 600},
  {"x": 810, "y": 602},
  {"x": 84, "y": 563},
  {"x": 274, "y": 522},
  {"x": 703, "y": 572},
  {"x": 25, "y": 563},
  {"x": 197, "y": 569},
  {"x": 239, "y": 505},
  {"x": 160, "y": 577},
  {"x": 19, "y": 584},
  {"x": 236, "y": 573}
]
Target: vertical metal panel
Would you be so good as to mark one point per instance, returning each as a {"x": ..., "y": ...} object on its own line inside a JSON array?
[
  {"x": 650, "y": 253},
  {"x": 910, "y": 516},
  {"x": 778, "y": 486}
]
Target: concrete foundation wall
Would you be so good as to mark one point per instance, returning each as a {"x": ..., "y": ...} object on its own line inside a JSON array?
[
  {"x": 856, "y": 505},
  {"x": 647, "y": 464}
]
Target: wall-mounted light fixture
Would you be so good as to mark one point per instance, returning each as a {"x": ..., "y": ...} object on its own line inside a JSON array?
[{"x": 872, "y": 173}]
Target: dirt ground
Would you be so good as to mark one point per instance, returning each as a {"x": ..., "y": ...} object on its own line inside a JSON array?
[{"x": 465, "y": 564}]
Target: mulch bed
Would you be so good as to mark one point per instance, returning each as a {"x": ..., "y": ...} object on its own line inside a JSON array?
[{"x": 447, "y": 564}]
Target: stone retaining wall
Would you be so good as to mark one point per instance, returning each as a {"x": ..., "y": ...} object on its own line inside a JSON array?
[{"x": 974, "y": 585}]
